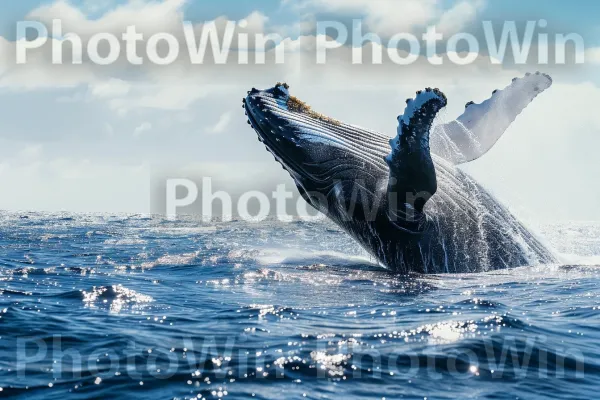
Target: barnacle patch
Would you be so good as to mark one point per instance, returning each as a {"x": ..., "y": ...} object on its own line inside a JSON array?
[{"x": 295, "y": 104}]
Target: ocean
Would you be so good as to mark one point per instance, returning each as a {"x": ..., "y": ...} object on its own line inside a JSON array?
[{"x": 116, "y": 306}]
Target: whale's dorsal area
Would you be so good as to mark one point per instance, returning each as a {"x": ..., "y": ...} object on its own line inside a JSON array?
[
  {"x": 476, "y": 131},
  {"x": 404, "y": 200}
]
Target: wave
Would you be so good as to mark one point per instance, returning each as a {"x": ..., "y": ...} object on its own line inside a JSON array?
[
  {"x": 575, "y": 259},
  {"x": 115, "y": 298},
  {"x": 172, "y": 260},
  {"x": 125, "y": 242},
  {"x": 277, "y": 256}
]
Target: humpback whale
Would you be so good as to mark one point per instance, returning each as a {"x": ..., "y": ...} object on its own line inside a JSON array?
[{"x": 404, "y": 200}]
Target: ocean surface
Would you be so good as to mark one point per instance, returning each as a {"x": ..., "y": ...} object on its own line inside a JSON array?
[{"x": 100, "y": 306}]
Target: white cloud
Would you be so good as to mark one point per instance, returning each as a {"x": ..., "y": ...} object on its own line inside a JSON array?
[
  {"x": 167, "y": 96},
  {"x": 592, "y": 56},
  {"x": 34, "y": 179},
  {"x": 110, "y": 88},
  {"x": 458, "y": 17},
  {"x": 31, "y": 152},
  {"x": 38, "y": 72},
  {"x": 180, "y": 85},
  {"x": 255, "y": 22},
  {"x": 95, "y": 6},
  {"x": 144, "y": 127},
  {"x": 76, "y": 185},
  {"x": 5, "y": 48},
  {"x": 222, "y": 124},
  {"x": 122, "y": 87},
  {"x": 385, "y": 17},
  {"x": 389, "y": 17},
  {"x": 148, "y": 17},
  {"x": 558, "y": 126}
]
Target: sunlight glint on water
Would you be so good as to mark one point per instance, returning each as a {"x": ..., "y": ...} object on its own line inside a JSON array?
[{"x": 164, "y": 309}]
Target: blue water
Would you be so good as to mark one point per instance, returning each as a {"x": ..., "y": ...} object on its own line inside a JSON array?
[{"x": 127, "y": 306}]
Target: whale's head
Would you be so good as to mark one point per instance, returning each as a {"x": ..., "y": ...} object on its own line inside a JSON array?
[{"x": 319, "y": 152}]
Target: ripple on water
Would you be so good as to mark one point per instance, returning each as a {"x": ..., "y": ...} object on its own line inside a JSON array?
[
  {"x": 281, "y": 310},
  {"x": 125, "y": 242}
]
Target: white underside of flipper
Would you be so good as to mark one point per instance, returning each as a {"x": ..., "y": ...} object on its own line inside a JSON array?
[{"x": 476, "y": 131}]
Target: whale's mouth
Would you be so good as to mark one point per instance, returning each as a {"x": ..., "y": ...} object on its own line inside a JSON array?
[{"x": 308, "y": 144}]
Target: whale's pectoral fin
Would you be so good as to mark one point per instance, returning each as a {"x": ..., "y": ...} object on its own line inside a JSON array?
[
  {"x": 479, "y": 128},
  {"x": 412, "y": 179}
]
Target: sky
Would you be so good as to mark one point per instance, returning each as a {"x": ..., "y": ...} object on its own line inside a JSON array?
[{"x": 90, "y": 138}]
